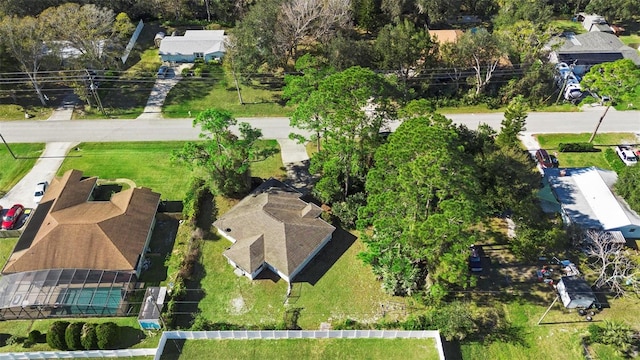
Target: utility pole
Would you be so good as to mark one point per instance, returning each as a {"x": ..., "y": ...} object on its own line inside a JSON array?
[
  {"x": 548, "y": 309},
  {"x": 94, "y": 90},
  {"x": 595, "y": 131}
]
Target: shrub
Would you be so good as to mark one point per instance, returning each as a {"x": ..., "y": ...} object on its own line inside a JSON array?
[
  {"x": 577, "y": 147},
  {"x": 614, "y": 160},
  {"x": 88, "y": 337},
  {"x": 56, "y": 335},
  {"x": 72, "y": 336},
  {"x": 15, "y": 339},
  {"x": 347, "y": 211},
  {"x": 107, "y": 334},
  {"x": 35, "y": 336},
  {"x": 595, "y": 334}
]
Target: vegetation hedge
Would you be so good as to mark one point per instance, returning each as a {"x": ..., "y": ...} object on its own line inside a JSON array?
[
  {"x": 72, "y": 336},
  {"x": 34, "y": 336},
  {"x": 577, "y": 147},
  {"x": 108, "y": 334},
  {"x": 88, "y": 337},
  {"x": 56, "y": 335},
  {"x": 614, "y": 160}
]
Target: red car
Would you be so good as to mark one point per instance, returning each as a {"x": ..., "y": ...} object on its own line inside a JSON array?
[{"x": 10, "y": 219}]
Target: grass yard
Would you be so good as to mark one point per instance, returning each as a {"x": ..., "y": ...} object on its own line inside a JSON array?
[
  {"x": 271, "y": 166},
  {"x": 306, "y": 349},
  {"x": 217, "y": 90},
  {"x": 569, "y": 26},
  {"x": 336, "y": 286},
  {"x": 146, "y": 163},
  {"x": 602, "y": 141},
  {"x": 12, "y": 170},
  {"x": 16, "y": 112}
]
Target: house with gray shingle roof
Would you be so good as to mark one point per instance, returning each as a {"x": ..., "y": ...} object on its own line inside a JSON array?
[
  {"x": 592, "y": 48},
  {"x": 273, "y": 228},
  {"x": 194, "y": 44}
]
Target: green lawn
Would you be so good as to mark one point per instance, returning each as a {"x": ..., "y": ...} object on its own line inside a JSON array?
[
  {"x": 568, "y": 25},
  {"x": 308, "y": 349},
  {"x": 16, "y": 112},
  {"x": 146, "y": 163},
  {"x": 218, "y": 90},
  {"x": 347, "y": 290},
  {"x": 271, "y": 166},
  {"x": 12, "y": 170},
  {"x": 558, "y": 337},
  {"x": 602, "y": 141}
]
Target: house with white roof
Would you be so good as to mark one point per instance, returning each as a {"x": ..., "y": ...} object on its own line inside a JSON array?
[
  {"x": 586, "y": 199},
  {"x": 194, "y": 44}
]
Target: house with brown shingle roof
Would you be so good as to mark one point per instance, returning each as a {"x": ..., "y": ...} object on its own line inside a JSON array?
[
  {"x": 68, "y": 230},
  {"x": 273, "y": 228}
]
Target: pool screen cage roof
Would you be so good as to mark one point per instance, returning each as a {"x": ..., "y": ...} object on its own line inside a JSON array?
[{"x": 64, "y": 293}]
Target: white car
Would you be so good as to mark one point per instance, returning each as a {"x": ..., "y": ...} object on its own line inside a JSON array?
[
  {"x": 627, "y": 155},
  {"x": 41, "y": 187}
]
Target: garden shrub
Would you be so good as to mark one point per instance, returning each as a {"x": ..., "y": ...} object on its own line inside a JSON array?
[
  {"x": 108, "y": 334},
  {"x": 72, "y": 336},
  {"x": 577, "y": 147},
  {"x": 34, "y": 336},
  {"x": 56, "y": 335},
  {"x": 347, "y": 211},
  {"x": 614, "y": 160},
  {"x": 15, "y": 339},
  {"x": 88, "y": 337}
]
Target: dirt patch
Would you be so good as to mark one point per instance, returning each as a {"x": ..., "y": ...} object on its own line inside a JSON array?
[{"x": 237, "y": 306}]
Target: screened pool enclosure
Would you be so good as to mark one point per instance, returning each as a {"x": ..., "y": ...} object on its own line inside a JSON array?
[{"x": 64, "y": 293}]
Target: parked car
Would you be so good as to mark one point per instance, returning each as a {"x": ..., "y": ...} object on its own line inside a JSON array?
[
  {"x": 10, "y": 219},
  {"x": 545, "y": 160},
  {"x": 41, "y": 187},
  {"x": 627, "y": 155},
  {"x": 162, "y": 72},
  {"x": 475, "y": 262}
]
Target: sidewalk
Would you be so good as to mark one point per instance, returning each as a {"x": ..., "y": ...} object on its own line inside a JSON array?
[{"x": 47, "y": 165}]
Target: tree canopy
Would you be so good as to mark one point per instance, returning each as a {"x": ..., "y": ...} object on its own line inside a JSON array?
[
  {"x": 223, "y": 158},
  {"x": 422, "y": 200}
]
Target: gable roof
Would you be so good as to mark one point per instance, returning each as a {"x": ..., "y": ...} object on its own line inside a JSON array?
[
  {"x": 193, "y": 41},
  {"x": 67, "y": 230},
  {"x": 273, "y": 225},
  {"x": 597, "y": 46},
  {"x": 586, "y": 197}
]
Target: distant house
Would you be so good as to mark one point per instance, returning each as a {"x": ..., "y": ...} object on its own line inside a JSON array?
[
  {"x": 194, "y": 44},
  {"x": 77, "y": 256},
  {"x": 594, "y": 22},
  {"x": 592, "y": 48},
  {"x": 575, "y": 292},
  {"x": 273, "y": 228},
  {"x": 586, "y": 199}
]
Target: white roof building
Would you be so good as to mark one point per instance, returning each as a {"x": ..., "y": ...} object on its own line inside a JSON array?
[
  {"x": 586, "y": 199},
  {"x": 195, "y": 44}
]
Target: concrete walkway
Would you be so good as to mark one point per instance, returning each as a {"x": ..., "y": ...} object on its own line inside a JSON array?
[
  {"x": 47, "y": 165},
  {"x": 296, "y": 161},
  {"x": 159, "y": 92}
]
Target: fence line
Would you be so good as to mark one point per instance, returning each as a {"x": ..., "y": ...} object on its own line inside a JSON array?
[
  {"x": 132, "y": 42},
  {"x": 234, "y": 335},
  {"x": 80, "y": 354}
]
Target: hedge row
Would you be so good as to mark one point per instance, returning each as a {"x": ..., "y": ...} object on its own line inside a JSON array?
[
  {"x": 614, "y": 160},
  {"x": 63, "y": 335},
  {"x": 577, "y": 147}
]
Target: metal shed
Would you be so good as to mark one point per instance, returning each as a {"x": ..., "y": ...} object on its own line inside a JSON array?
[{"x": 575, "y": 292}]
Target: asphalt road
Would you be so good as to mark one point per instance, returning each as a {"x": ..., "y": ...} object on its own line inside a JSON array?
[{"x": 24, "y": 131}]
